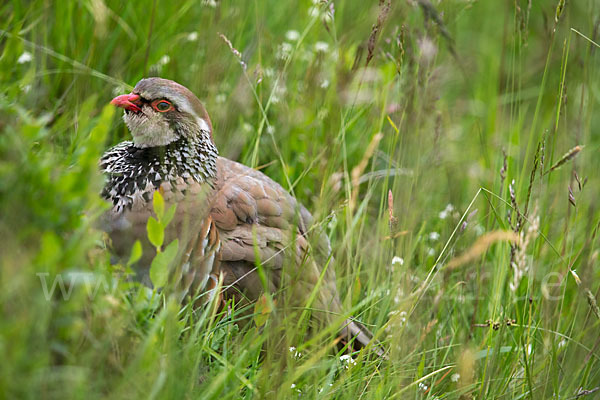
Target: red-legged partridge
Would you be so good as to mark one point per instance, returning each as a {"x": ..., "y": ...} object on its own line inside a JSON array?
[{"x": 227, "y": 214}]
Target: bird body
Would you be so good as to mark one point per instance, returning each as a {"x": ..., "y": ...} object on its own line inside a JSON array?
[{"x": 228, "y": 215}]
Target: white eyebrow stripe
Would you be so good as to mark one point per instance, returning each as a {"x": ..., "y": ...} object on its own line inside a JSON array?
[
  {"x": 180, "y": 101},
  {"x": 203, "y": 124}
]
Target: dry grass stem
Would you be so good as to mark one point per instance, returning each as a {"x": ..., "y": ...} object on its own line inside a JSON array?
[
  {"x": 360, "y": 168},
  {"x": 235, "y": 51},
  {"x": 480, "y": 246},
  {"x": 396, "y": 235}
]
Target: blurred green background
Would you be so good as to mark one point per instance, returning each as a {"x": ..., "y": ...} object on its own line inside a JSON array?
[{"x": 469, "y": 112}]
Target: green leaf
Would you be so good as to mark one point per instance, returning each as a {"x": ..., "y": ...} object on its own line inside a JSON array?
[
  {"x": 171, "y": 250},
  {"x": 159, "y": 269},
  {"x": 421, "y": 366},
  {"x": 101, "y": 129},
  {"x": 156, "y": 232},
  {"x": 169, "y": 215},
  {"x": 262, "y": 310},
  {"x": 136, "y": 253},
  {"x": 50, "y": 251},
  {"x": 158, "y": 202}
]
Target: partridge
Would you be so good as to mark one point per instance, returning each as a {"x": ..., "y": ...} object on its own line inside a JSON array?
[{"x": 227, "y": 216}]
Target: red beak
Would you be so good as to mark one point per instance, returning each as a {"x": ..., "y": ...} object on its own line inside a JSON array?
[{"x": 127, "y": 101}]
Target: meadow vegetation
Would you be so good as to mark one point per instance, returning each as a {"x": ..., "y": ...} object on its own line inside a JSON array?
[{"x": 447, "y": 148}]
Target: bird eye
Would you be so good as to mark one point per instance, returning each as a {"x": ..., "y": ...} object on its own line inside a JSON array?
[{"x": 162, "y": 105}]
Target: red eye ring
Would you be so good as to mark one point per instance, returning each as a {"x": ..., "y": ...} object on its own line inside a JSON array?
[{"x": 162, "y": 105}]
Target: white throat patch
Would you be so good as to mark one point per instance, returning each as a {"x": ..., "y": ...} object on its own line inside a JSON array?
[{"x": 149, "y": 129}]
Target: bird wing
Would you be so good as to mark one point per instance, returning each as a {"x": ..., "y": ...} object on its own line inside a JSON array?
[{"x": 258, "y": 219}]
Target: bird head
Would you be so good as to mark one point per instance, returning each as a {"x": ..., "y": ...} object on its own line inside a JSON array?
[{"x": 159, "y": 111}]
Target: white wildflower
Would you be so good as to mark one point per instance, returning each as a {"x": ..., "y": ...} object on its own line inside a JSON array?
[
  {"x": 325, "y": 84},
  {"x": 397, "y": 260},
  {"x": 428, "y": 48},
  {"x": 292, "y": 35},
  {"x": 455, "y": 377},
  {"x": 446, "y": 212},
  {"x": 284, "y": 51},
  {"x": 192, "y": 36},
  {"x": 399, "y": 296},
  {"x": 423, "y": 386},
  {"x": 402, "y": 318},
  {"x": 321, "y": 47},
  {"x": 25, "y": 58},
  {"x": 279, "y": 92},
  {"x": 397, "y": 320},
  {"x": 296, "y": 353},
  {"x": 348, "y": 359},
  {"x": 164, "y": 60},
  {"x": 434, "y": 236},
  {"x": 479, "y": 229}
]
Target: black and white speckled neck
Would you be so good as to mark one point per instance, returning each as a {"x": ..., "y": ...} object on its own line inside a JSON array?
[{"x": 135, "y": 173}]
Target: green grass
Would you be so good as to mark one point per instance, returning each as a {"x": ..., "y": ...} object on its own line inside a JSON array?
[{"x": 508, "y": 79}]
